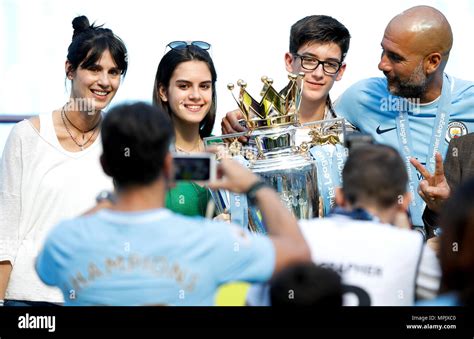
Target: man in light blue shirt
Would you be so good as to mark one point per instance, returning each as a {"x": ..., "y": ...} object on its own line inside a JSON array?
[
  {"x": 416, "y": 108},
  {"x": 139, "y": 253}
]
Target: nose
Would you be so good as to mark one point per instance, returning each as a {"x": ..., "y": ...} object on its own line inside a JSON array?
[
  {"x": 318, "y": 71},
  {"x": 384, "y": 64},
  {"x": 104, "y": 79},
  {"x": 194, "y": 93}
]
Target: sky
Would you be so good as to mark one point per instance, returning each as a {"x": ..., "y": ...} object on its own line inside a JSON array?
[{"x": 248, "y": 38}]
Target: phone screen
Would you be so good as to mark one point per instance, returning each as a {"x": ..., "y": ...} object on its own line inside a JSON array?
[{"x": 192, "y": 168}]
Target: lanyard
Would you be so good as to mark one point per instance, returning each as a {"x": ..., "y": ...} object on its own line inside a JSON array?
[
  {"x": 238, "y": 202},
  {"x": 329, "y": 160},
  {"x": 436, "y": 145}
]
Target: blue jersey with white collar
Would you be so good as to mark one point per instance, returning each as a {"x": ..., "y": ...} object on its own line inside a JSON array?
[{"x": 370, "y": 107}]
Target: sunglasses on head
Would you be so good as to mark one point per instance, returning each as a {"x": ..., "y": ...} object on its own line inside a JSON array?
[{"x": 184, "y": 44}]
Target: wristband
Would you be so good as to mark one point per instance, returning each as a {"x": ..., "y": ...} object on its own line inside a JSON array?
[
  {"x": 1, "y": 303},
  {"x": 252, "y": 191}
]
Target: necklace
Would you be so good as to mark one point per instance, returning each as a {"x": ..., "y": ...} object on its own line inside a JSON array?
[
  {"x": 85, "y": 142},
  {"x": 196, "y": 147},
  {"x": 80, "y": 130}
]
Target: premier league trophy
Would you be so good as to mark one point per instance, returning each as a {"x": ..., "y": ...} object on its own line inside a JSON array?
[{"x": 303, "y": 163}]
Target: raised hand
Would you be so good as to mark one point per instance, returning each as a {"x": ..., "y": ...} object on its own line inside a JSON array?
[{"x": 434, "y": 188}]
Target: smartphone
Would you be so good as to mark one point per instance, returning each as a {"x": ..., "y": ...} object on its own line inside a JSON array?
[{"x": 194, "y": 167}]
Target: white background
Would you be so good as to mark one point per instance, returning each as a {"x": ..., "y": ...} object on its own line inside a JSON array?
[{"x": 248, "y": 37}]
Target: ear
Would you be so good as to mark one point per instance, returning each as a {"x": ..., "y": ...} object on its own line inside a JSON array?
[
  {"x": 163, "y": 93},
  {"x": 168, "y": 168},
  {"x": 341, "y": 72},
  {"x": 340, "y": 200},
  {"x": 289, "y": 59},
  {"x": 432, "y": 62},
  {"x": 404, "y": 201},
  {"x": 68, "y": 69}
]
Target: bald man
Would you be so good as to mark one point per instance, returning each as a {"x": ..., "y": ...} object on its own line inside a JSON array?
[{"x": 416, "y": 108}]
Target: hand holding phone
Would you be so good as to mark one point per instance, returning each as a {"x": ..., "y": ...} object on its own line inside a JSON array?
[{"x": 194, "y": 167}]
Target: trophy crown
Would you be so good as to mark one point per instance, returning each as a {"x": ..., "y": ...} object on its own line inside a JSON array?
[{"x": 275, "y": 108}]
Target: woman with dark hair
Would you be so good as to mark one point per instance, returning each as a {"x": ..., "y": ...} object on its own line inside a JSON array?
[
  {"x": 50, "y": 167},
  {"x": 185, "y": 88}
]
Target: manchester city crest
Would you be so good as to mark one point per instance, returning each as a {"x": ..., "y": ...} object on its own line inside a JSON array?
[{"x": 455, "y": 130}]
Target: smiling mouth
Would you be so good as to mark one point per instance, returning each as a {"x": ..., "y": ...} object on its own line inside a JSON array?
[
  {"x": 193, "y": 108},
  {"x": 100, "y": 93},
  {"x": 314, "y": 83}
]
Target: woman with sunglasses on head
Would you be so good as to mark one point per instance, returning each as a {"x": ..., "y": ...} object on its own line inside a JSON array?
[
  {"x": 50, "y": 168},
  {"x": 185, "y": 88}
]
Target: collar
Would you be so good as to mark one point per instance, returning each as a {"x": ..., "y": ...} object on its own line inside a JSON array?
[{"x": 355, "y": 214}]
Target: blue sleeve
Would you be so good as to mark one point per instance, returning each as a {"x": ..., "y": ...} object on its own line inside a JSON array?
[
  {"x": 241, "y": 255},
  {"x": 47, "y": 265}
]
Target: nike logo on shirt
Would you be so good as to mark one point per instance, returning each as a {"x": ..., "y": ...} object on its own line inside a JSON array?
[{"x": 382, "y": 131}]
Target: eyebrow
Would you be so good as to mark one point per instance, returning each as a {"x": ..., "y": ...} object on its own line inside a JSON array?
[
  {"x": 189, "y": 82},
  {"x": 391, "y": 54},
  {"x": 316, "y": 57}
]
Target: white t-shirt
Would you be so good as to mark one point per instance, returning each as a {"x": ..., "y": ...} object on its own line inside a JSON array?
[
  {"x": 390, "y": 264},
  {"x": 40, "y": 185}
]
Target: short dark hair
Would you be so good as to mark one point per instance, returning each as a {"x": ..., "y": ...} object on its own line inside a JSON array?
[
  {"x": 135, "y": 139},
  {"x": 165, "y": 70},
  {"x": 89, "y": 42},
  {"x": 306, "y": 284},
  {"x": 321, "y": 29},
  {"x": 374, "y": 174},
  {"x": 457, "y": 239}
]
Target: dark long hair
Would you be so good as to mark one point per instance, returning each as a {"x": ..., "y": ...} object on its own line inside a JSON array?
[{"x": 165, "y": 70}]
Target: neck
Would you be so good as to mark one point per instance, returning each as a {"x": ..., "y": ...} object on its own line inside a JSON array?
[
  {"x": 141, "y": 198},
  {"x": 312, "y": 111},
  {"x": 83, "y": 120},
  {"x": 433, "y": 89},
  {"x": 186, "y": 135},
  {"x": 386, "y": 215}
]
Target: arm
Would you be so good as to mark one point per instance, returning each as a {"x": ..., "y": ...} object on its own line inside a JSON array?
[
  {"x": 282, "y": 226},
  {"x": 5, "y": 270},
  {"x": 11, "y": 168}
]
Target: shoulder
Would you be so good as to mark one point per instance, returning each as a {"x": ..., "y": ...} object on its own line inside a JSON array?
[
  {"x": 370, "y": 85},
  {"x": 20, "y": 134},
  {"x": 25, "y": 127},
  {"x": 364, "y": 95},
  {"x": 70, "y": 232},
  {"x": 462, "y": 92},
  {"x": 461, "y": 85},
  {"x": 35, "y": 122}
]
